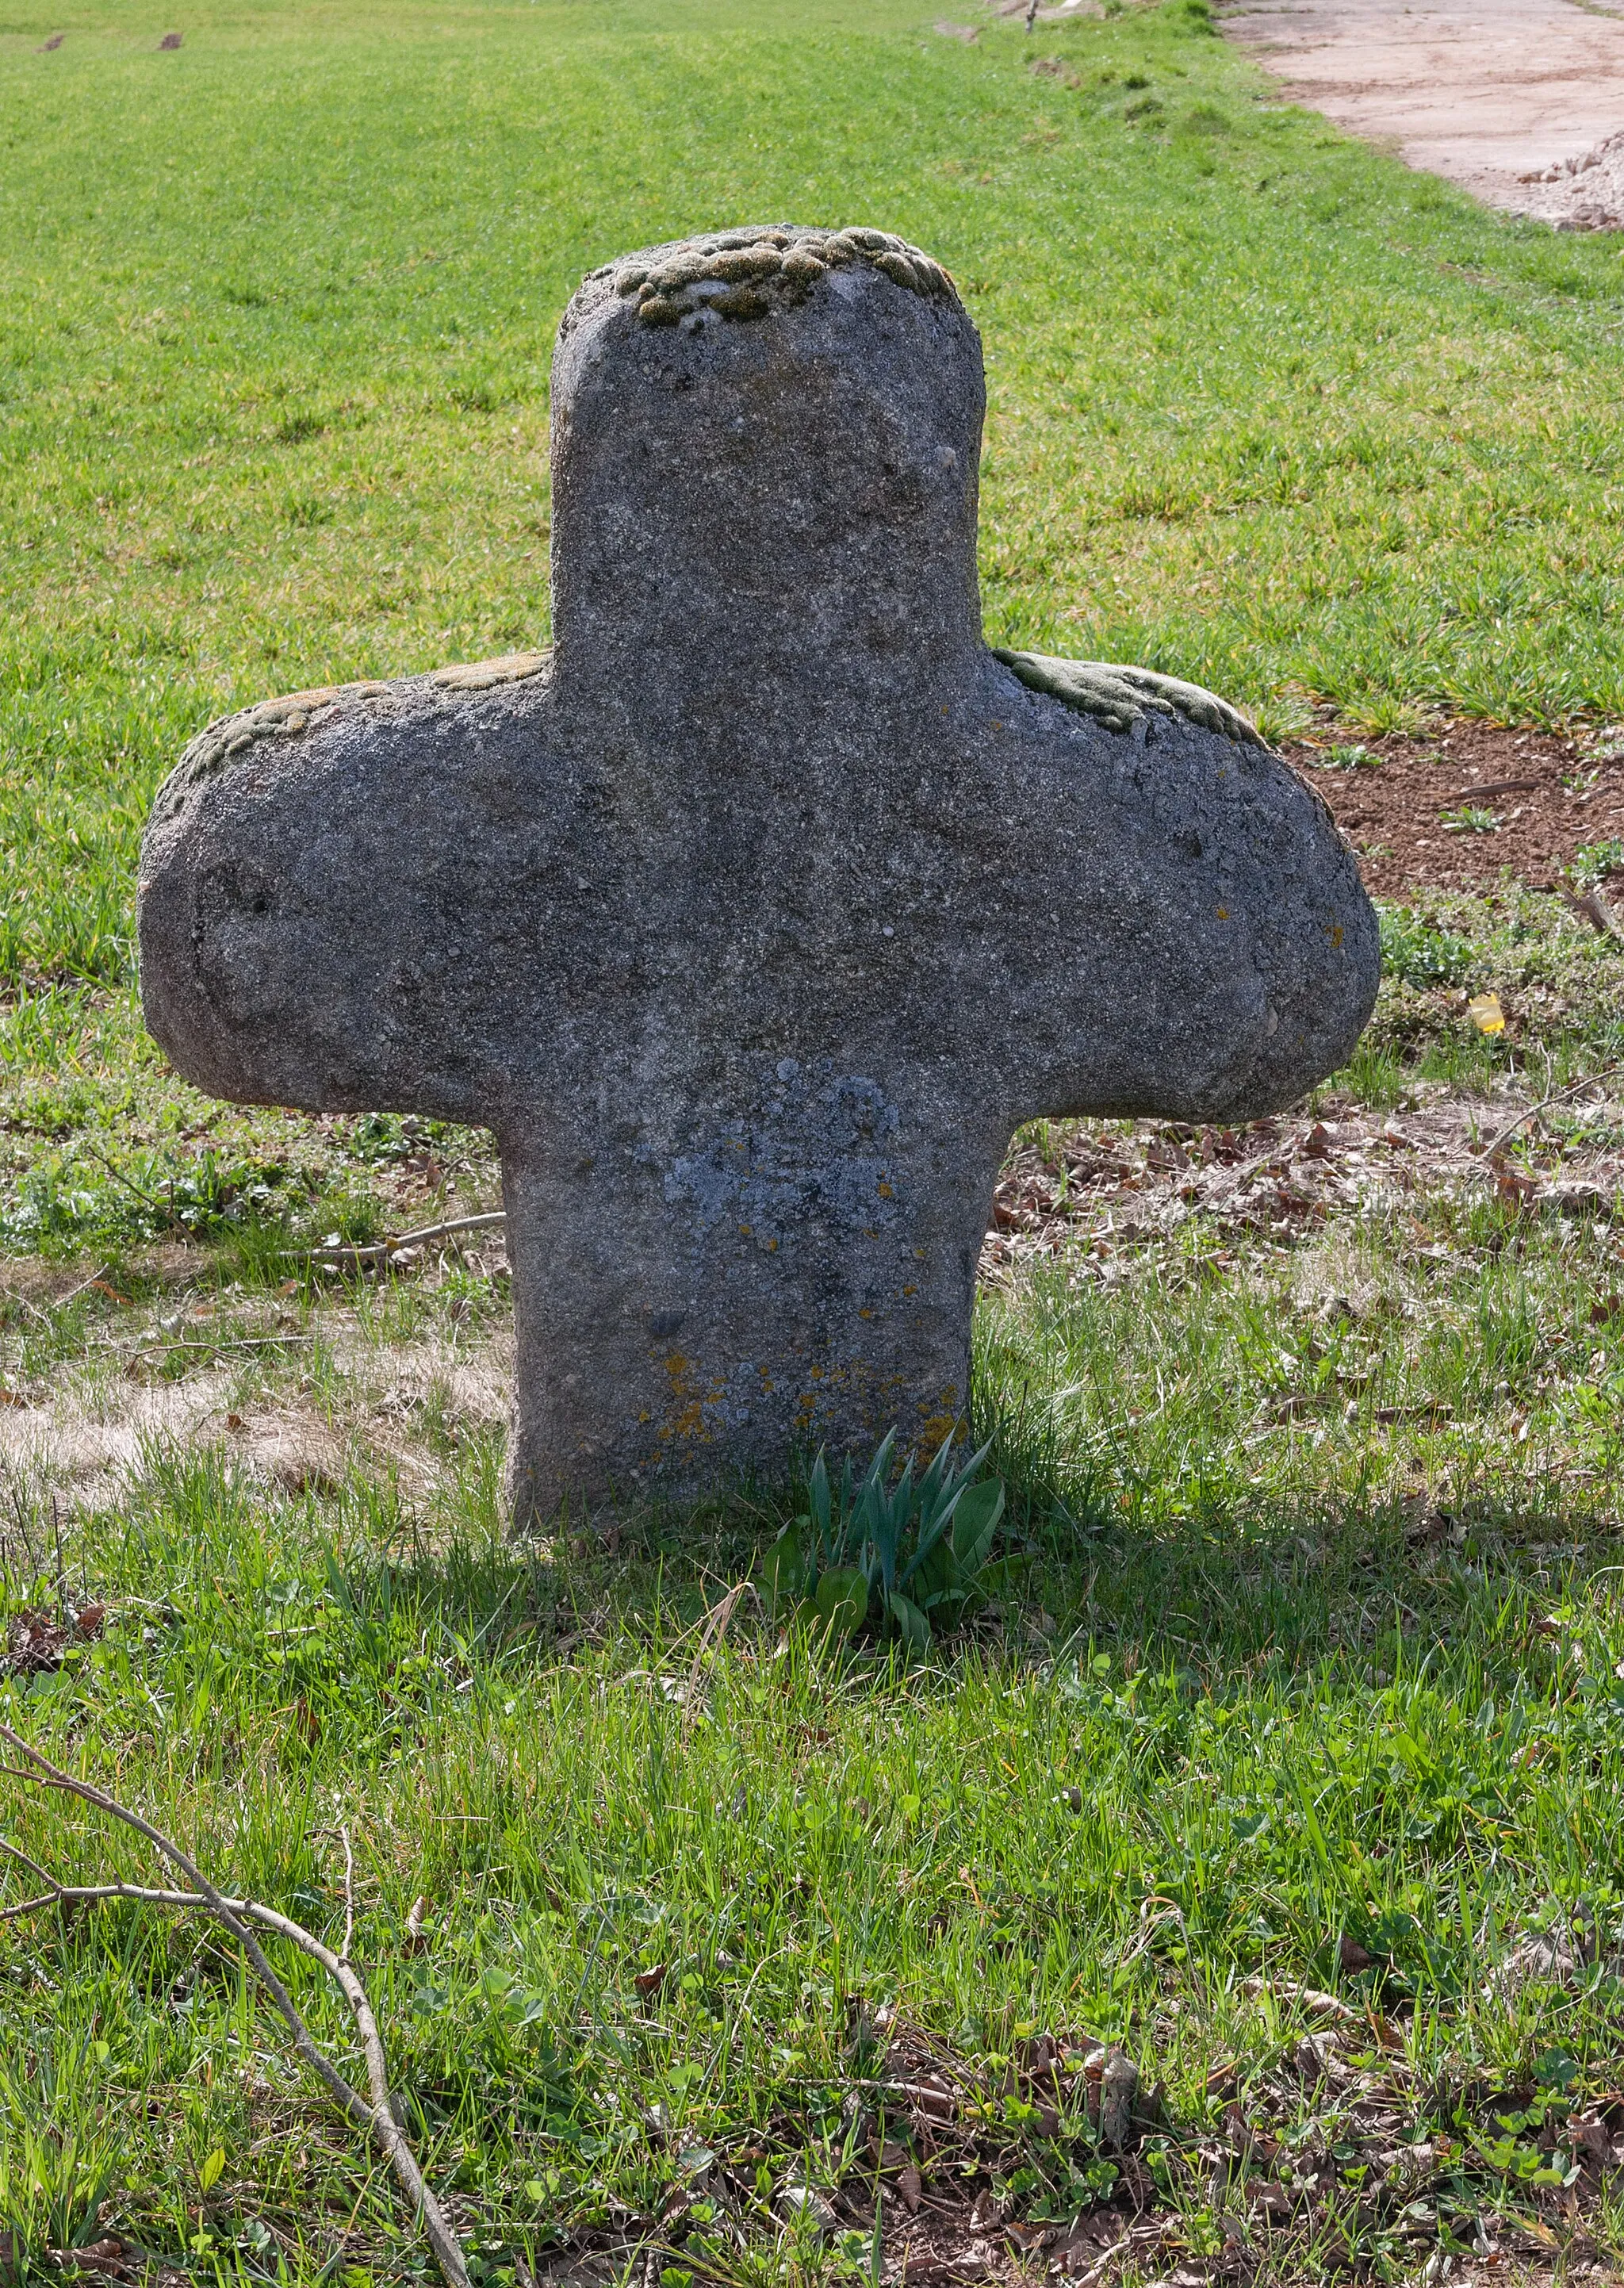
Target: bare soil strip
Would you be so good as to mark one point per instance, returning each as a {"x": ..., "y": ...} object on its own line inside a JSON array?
[
  {"x": 1519, "y": 102},
  {"x": 1460, "y": 809}
]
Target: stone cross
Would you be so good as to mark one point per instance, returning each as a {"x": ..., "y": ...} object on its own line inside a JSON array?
[{"x": 756, "y": 916}]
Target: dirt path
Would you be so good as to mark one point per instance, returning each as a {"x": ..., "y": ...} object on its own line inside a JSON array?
[{"x": 1519, "y": 102}]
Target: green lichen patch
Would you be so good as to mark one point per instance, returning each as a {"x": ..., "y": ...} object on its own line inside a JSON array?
[
  {"x": 486, "y": 674},
  {"x": 747, "y": 274},
  {"x": 234, "y": 736},
  {"x": 1119, "y": 696}
]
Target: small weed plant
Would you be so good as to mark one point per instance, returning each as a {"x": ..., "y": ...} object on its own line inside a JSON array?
[
  {"x": 1597, "y": 861},
  {"x": 1421, "y": 952}
]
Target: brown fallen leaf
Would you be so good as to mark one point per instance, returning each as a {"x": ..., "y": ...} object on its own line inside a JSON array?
[
  {"x": 1513, "y": 1188},
  {"x": 1269, "y": 2200},
  {"x": 1119, "y": 2087},
  {"x": 1306, "y": 1998},
  {"x": 1591, "y": 2143},
  {"x": 91, "y": 1620},
  {"x": 417, "y": 1939},
  {"x": 1351, "y": 1954},
  {"x": 1599, "y": 912},
  {"x": 909, "y": 2185},
  {"x": 650, "y": 1981},
  {"x": 106, "y": 2256}
]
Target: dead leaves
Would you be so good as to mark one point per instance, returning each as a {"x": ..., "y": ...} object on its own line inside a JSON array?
[
  {"x": 1558, "y": 1958},
  {"x": 1103, "y": 1189},
  {"x": 36, "y": 1645},
  {"x": 935, "y": 2145},
  {"x": 1395, "y": 2163}
]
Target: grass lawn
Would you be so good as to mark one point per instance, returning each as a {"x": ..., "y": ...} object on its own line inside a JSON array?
[{"x": 1307, "y": 1675}]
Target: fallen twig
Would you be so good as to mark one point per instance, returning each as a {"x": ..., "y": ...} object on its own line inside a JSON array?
[
  {"x": 1556, "y": 1096},
  {"x": 60, "y": 1302},
  {"x": 231, "y": 1343},
  {"x": 1598, "y": 910},
  {"x": 369, "y": 1251},
  {"x": 1307, "y": 1998},
  {"x": 715, "y": 1630},
  {"x": 377, "y": 2117}
]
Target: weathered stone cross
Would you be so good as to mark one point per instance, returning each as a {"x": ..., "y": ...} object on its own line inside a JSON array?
[{"x": 756, "y": 917}]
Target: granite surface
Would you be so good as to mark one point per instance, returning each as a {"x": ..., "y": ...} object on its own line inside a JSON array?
[{"x": 754, "y": 917}]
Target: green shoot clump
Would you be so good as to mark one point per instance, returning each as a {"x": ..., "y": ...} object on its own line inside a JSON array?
[{"x": 910, "y": 1556}]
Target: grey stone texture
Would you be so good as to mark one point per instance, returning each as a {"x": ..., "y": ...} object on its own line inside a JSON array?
[{"x": 754, "y": 917}]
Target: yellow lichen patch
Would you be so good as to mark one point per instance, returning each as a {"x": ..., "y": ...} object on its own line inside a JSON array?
[
  {"x": 685, "y": 1413},
  {"x": 484, "y": 674},
  {"x": 943, "y": 1421}
]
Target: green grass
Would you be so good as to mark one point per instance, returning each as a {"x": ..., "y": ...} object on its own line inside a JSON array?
[
  {"x": 276, "y": 312},
  {"x": 1305, "y": 1678},
  {"x": 1317, "y": 1610}
]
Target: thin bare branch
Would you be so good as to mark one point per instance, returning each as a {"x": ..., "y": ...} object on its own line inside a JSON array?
[
  {"x": 60, "y": 1302},
  {"x": 376, "y": 2117},
  {"x": 54, "y": 1897},
  {"x": 1556, "y": 1096},
  {"x": 369, "y": 1251},
  {"x": 349, "y": 1896},
  {"x": 33, "y": 1865}
]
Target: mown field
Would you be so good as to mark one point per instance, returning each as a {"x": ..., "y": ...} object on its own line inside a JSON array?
[{"x": 1302, "y": 1690}]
